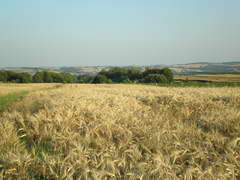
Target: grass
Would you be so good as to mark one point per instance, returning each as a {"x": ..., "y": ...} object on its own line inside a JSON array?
[
  {"x": 7, "y": 100},
  {"x": 122, "y": 132}
]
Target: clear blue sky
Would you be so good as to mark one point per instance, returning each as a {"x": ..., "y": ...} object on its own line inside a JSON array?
[{"x": 126, "y": 32}]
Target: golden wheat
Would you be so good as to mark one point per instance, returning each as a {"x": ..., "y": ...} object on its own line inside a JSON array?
[
  {"x": 122, "y": 132},
  {"x": 12, "y": 88}
]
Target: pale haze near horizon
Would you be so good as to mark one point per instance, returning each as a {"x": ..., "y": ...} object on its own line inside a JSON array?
[{"x": 134, "y": 32}]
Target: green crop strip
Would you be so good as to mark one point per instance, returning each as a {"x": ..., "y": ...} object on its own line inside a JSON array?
[{"x": 7, "y": 100}]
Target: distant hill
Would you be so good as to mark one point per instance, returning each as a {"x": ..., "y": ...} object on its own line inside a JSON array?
[
  {"x": 204, "y": 67},
  {"x": 191, "y": 68}
]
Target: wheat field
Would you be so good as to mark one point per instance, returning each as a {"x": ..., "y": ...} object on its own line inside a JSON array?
[
  {"x": 14, "y": 88},
  {"x": 122, "y": 132}
]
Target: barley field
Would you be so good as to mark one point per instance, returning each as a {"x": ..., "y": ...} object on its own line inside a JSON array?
[
  {"x": 13, "y": 87},
  {"x": 124, "y": 132}
]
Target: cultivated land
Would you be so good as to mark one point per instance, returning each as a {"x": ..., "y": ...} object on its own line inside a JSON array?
[
  {"x": 210, "y": 77},
  {"x": 122, "y": 132},
  {"x": 14, "y": 88},
  {"x": 10, "y": 93}
]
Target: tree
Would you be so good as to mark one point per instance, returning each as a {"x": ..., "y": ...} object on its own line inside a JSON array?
[
  {"x": 69, "y": 78},
  {"x": 85, "y": 78},
  {"x": 101, "y": 79},
  {"x": 116, "y": 74},
  {"x": 57, "y": 77},
  {"x": 3, "y": 76},
  {"x": 155, "y": 78},
  {"x": 12, "y": 76},
  {"x": 47, "y": 77},
  {"x": 134, "y": 74},
  {"x": 38, "y": 77},
  {"x": 24, "y": 78},
  {"x": 151, "y": 71},
  {"x": 168, "y": 74}
]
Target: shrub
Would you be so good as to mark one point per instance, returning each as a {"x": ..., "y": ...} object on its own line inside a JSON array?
[
  {"x": 164, "y": 75},
  {"x": 117, "y": 74},
  {"x": 168, "y": 74},
  {"x": 85, "y": 78},
  {"x": 38, "y": 77},
  {"x": 101, "y": 79},
  {"x": 3, "y": 76},
  {"x": 155, "y": 78}
]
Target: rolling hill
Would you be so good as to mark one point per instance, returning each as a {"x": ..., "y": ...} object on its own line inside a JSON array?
[{"x": 191, "y": 68}]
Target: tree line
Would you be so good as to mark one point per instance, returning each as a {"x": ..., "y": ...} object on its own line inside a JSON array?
[
  {"x": 124, "y": 75},
  {"x": 38, "y": 77},
  {"x": 113, "y": 75}
]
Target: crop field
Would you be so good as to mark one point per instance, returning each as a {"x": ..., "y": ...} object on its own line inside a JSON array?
[
  {"x": 10, "y": 93},
  {"x": 122, "y": 132},
  {"x": 211, "y": 77},
  {"x": 14, "y": 88}
]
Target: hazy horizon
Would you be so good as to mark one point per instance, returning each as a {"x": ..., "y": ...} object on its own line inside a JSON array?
[
  {"x": 107, "y": 33},
  {"x": 166, "y": 65}
]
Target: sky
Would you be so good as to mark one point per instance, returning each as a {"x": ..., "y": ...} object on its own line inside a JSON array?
[{"x": 118, "y": 33}]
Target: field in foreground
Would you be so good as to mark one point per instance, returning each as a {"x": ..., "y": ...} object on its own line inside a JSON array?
[
  {"x": 8, "y": 88},
  {"x": 122, "y": 132}
]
